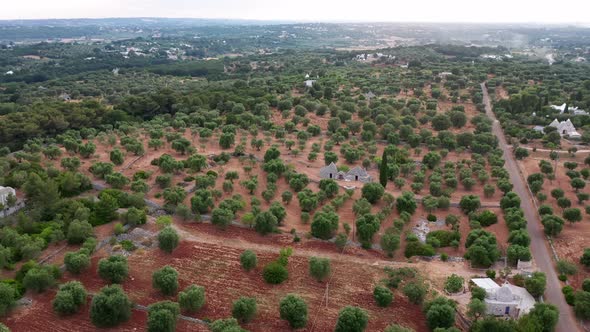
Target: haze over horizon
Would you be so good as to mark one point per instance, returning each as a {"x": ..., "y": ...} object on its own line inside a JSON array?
[{"x": 502, "y": 11}]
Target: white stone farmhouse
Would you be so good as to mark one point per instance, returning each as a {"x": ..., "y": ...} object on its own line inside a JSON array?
[
  {"x": 355, "y": 174},
  {"x": 566, "y": 128},
  {"x": 505, "y": 300}
]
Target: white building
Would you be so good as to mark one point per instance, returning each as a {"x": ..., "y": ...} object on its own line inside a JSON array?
[
  {"x": 355, "y": 174},
  {"x": 572, "y": 109},
  {"x": 505, "y": 300},
  {"x": 309, "y": 83},
  {"x": 5, "y": 192},
  {"x": 566, "y": 128}
]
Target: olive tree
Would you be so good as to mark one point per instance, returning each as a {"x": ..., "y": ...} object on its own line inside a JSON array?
[
  {"x": 293, "y": 309},
  {"x": 165, "y": 280}
]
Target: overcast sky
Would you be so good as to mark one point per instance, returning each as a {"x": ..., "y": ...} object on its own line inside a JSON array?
[{"x": 560, "y": 11}]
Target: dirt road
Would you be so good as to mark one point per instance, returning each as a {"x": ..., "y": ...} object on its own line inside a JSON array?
[{"x": 539, "y": 248}]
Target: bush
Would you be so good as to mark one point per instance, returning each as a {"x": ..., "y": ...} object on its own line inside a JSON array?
[
  {"x": 536, "y": 284},
  {"x": 383, "y": 296},
  {"x": 248, "y": 260},
  {"x": 70, "y": 297},
  {"x": 78, "y": 261},
  {"x": 113, "y": 269},
  {"x": 415, "y": 292},
  {"x": 566, "y": 268},
  {"x": 389, "y": 242},
  {"x": 39, "y": 279},
  {"x": 478, "y": 293},
  {"x": 168, "y": 239},
  {"x": 79, "y": 231},
  {"x": 440, "y": 313},
  {"x": 7, "y": 298},
  {"x": 445, "y": 238},
  {"x": 165, "y": 280},
  {"x": 162, "y": 316},
  {"x": 110, "y": 307},
  {"x": 416, "y": 248},
  {"x": 293, "y": 309},
  {"x": 275, "y": 273},
  {"x": 586, "y": 285},
  {"x": 244, "y": 309},
  {"x": 372, "y": 192},
  {"x": 192, "y": 298},
  {"x": 226, "y": 325},
  {"x": 582, "y": 305},
  {"x": 397, "y": 328},
  {"x": 568, "y": 294},
  {"x": 454, "y": 283},
  {"x": 352, "y": 319},
  {"x": 319, "y": 268}
]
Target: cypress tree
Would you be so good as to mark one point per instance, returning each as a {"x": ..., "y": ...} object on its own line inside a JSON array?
[{"x": 383, "y": 170}]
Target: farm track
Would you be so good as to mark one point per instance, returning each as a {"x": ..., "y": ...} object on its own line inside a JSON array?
[{"x": 539, "y": 248}]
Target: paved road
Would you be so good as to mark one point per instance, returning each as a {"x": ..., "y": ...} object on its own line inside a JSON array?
[{"x": 539, "y": 248}]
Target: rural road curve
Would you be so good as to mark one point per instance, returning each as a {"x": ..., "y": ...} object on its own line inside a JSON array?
[{"x": 539, "y": 249}]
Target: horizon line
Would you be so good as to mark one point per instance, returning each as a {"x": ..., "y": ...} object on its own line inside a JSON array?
[{"x": 301, "y": 21}]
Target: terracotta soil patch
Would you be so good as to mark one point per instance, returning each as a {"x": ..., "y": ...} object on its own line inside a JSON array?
[
  {"x": 39, "y": 316},
  {"x": 217, "y": 268}
]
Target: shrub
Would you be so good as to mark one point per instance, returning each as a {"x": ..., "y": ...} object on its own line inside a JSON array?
[
  {"x": 568, "y": 292},
  {"x": 293, "y": 309},
  {"x": 39, "y": 279},
  {"x": 113, "y": 269},
  {"x": 372, "y": 192},
  {"x": 352, "y": 319},
  {"x": 416, "y": 248},
  {"x": 78, "y": 261},
  {"x": 586, "y": 285},
  {"x": 445, "y": 238},
  {"x": 389, "y": 242},
  {"x": 226, "y": 325},
  {"x": 70, "y": 297},
  {"x": 478, "y": 293},
  {"x": 440, "y": 313},
  {"x": 536, "y": 284},
  {"x": 566, "y": 268},
  {"x": 110, "y": 307},
  {"x": 192, "y": 298},
  {"x": 165, "y": 280},
  {"x": 248, "y": 260},
  {"x": 415, "y": 292},
  {"x": 168, "y": 239},
  {"x": 79, "y": 231},
  {"x": 7, "y": 298},
  {"x": 454, "y": 283},
  {"x": 162, "y": 316},
  {"x": 383, "y": 296},
  {"x": 319, "y": 268},
  {"x": 275, "y": 273},
  {"x": 244, "y": 309},
  {"x": 582, "y": 305}
]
